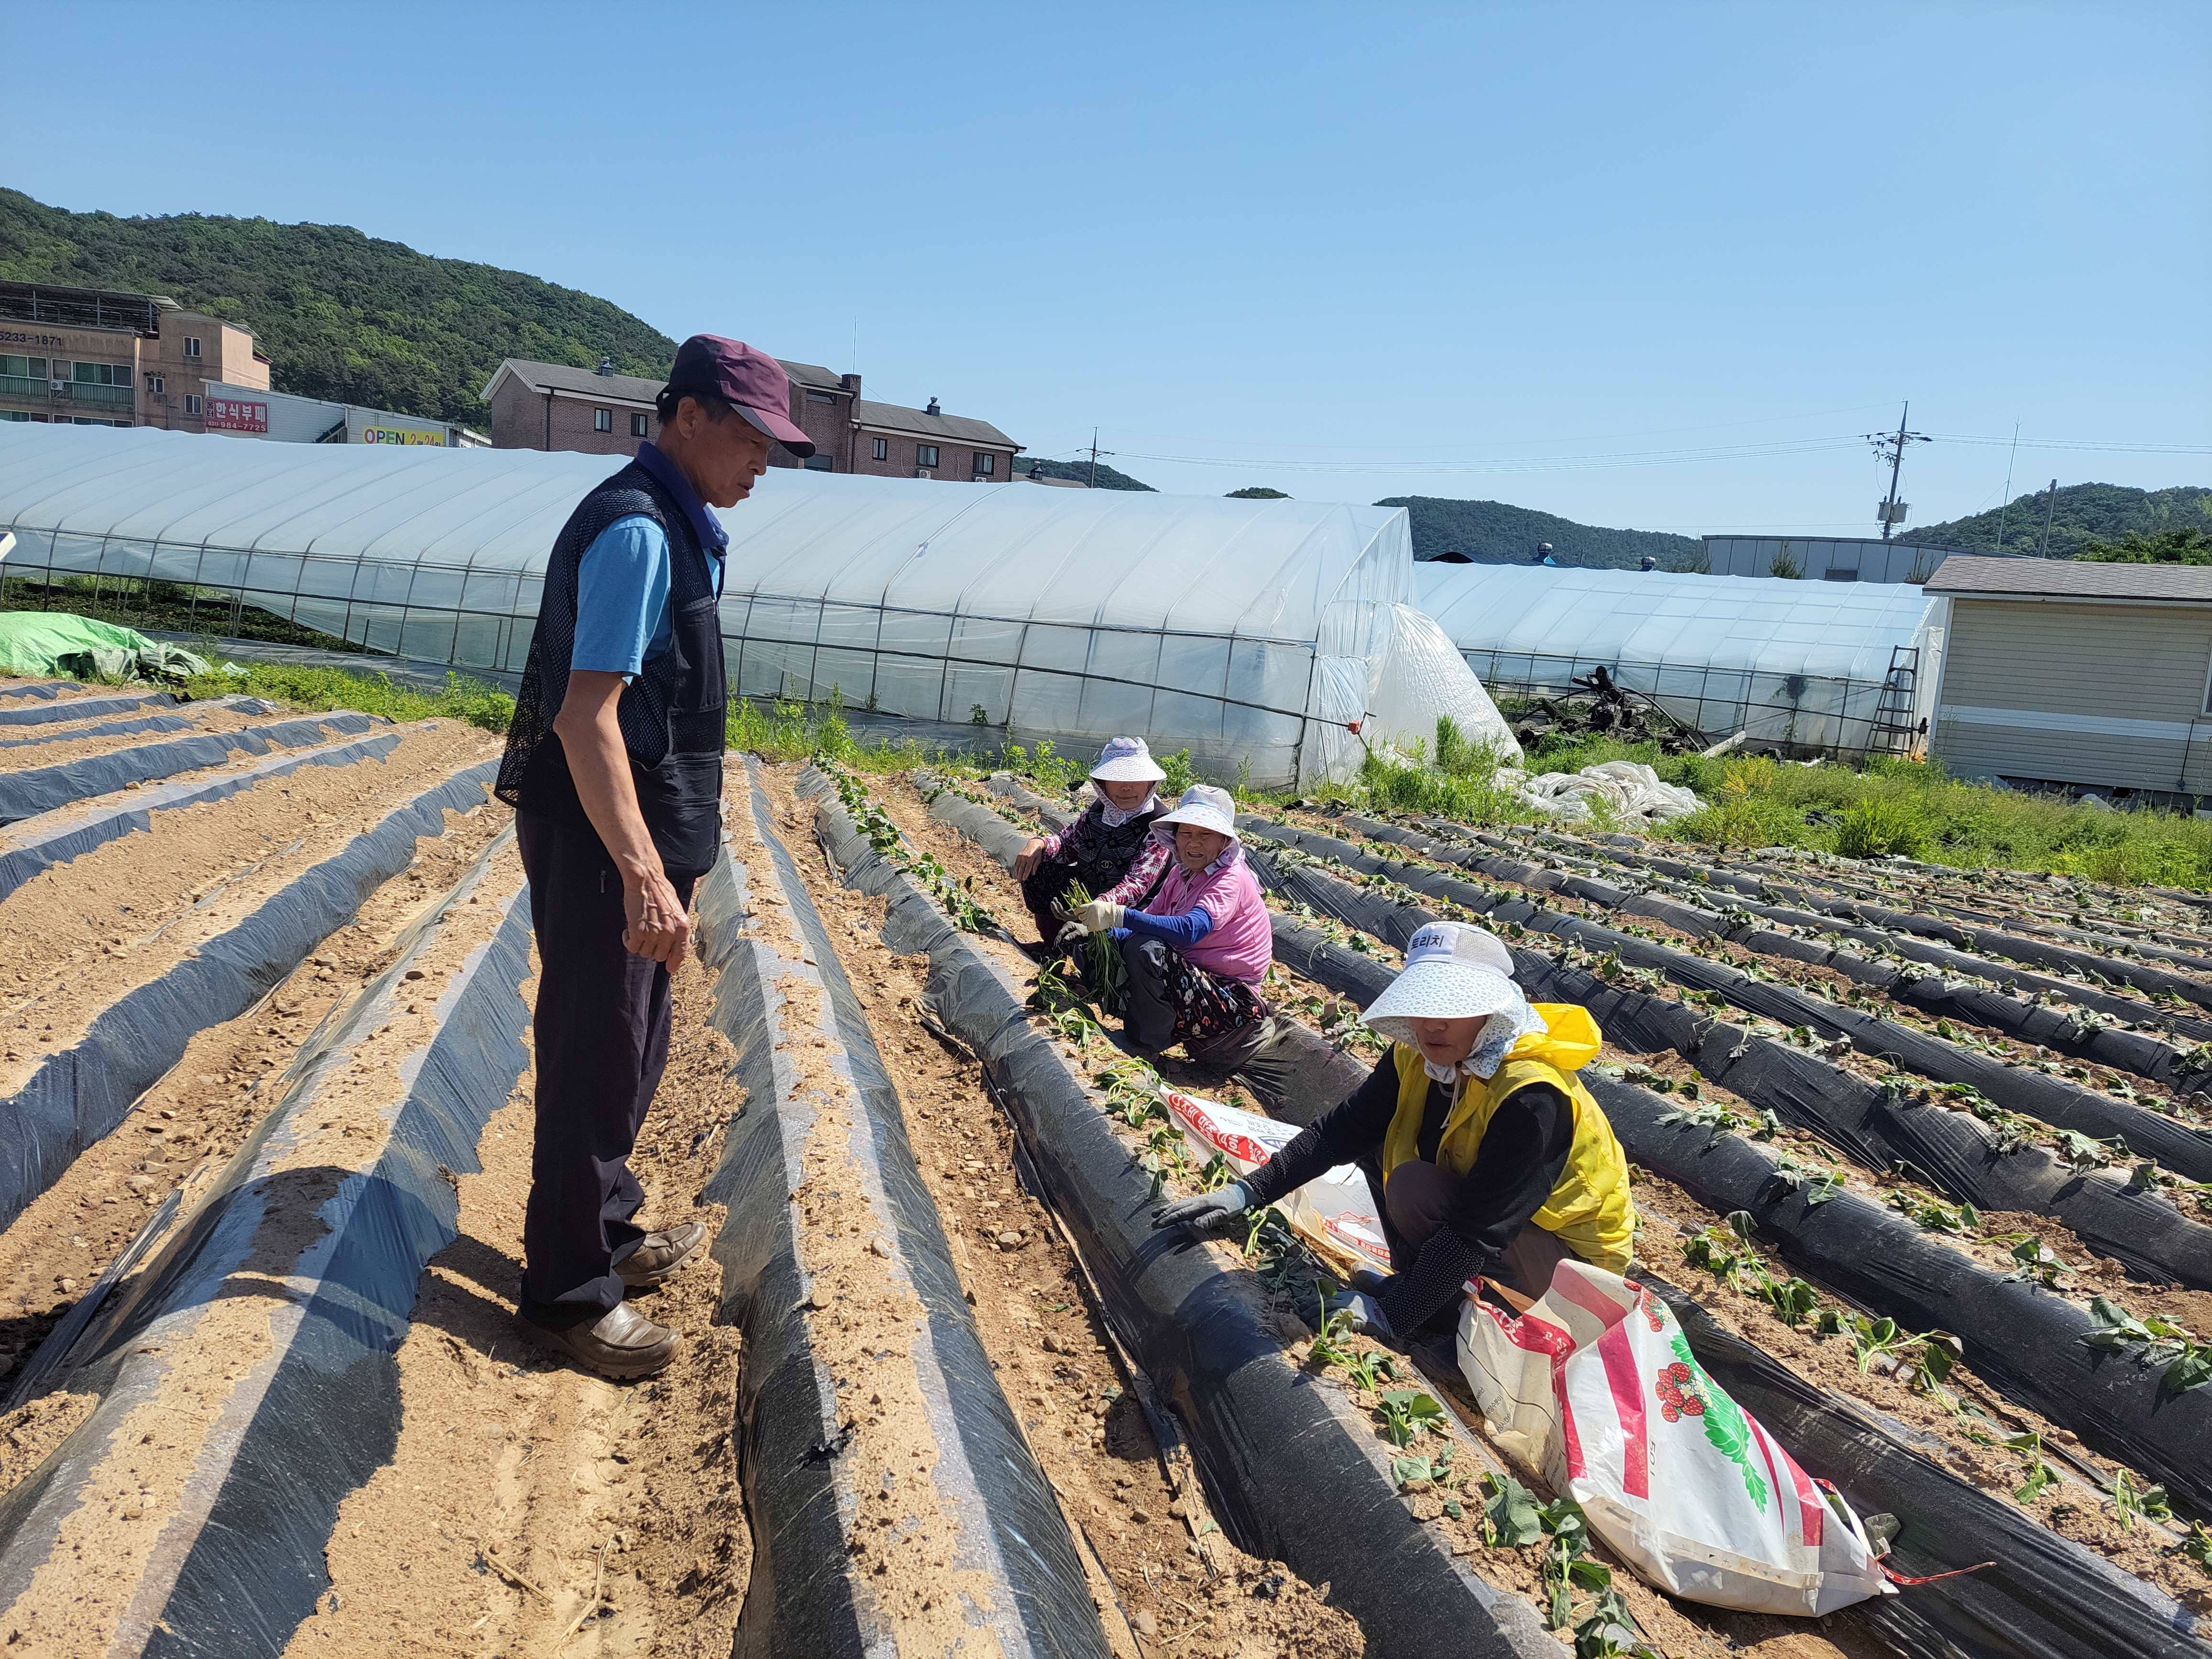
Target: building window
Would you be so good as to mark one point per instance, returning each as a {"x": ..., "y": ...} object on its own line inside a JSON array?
[
  {"x": 23, "y": 369},
  {"x": 818, "y": 463},
  {"x": 191, "y": 345},
  {"x": 103, "y": 374},
  {"x": 882, "y": 451},
  {"x": 925, "y": 454},
  {"x": 637, "y": 426},
  {"x": 192, "y": 403},
  {"x": 820, "y": 397},
  {"x": 157, "y": 383},
  {"x": 986, "y": 464},
  {"x": 602, "y": 420}
]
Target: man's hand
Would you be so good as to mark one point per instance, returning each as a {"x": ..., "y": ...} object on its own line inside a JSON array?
[
  {"x": 1026, "y": 860},
  {"x": 655, "y": 924}
]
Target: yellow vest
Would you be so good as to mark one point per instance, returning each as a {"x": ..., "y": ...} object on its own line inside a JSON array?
[{"x": 1590, "y": 1208}]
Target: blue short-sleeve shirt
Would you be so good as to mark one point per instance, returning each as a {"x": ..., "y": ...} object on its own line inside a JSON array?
[
  {"x": 623, "y": 581},
  {"x": 621, "y": 598}
]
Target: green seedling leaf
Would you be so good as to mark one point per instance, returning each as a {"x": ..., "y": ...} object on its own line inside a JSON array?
[
  {"x": 1407, "y": 1470},
  {"x": 1510, "y": 1518}
]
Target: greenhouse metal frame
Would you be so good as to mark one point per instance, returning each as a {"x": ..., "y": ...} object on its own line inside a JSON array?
[{"x": 1800, "y": 667}]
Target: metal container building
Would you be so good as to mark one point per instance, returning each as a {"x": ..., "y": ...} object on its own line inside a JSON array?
[
  {"x": 1822, "y": 558},
  {"x": 2085, "y": 674}
]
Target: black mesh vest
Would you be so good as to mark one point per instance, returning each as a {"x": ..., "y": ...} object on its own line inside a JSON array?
[{"x": 672, "y": 715}]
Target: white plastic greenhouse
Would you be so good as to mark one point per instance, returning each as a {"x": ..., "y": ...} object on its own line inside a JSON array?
[
  {"x": 1276, "y": 634},
  {"x": 1842, "y": 668}
]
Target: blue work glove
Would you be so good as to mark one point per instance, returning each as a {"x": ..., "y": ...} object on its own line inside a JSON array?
[{"x": 1207, "y": 1214}]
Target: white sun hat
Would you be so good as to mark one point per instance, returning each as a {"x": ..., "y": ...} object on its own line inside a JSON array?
[
  {"x": 1452, "y": 971},
  {"x": 1207, "y": 807},
  {"x": 1126, "y": 760}
]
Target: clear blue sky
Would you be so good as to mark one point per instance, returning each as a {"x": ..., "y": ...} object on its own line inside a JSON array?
[{"x": 1347, "y": 252}]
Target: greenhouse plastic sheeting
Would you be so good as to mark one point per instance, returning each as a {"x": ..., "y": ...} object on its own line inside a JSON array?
[
  {"x": 1800, "y": 663},
  {"x": 1246, "y": 631}
]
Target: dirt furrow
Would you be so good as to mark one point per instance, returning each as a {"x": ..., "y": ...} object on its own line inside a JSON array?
[
  {"x": 85, "y": 931},
  {"x": 190, "y": 1121},
  {"x": 520, "y": 1485},
  {"x": 58, "y": 745},
  {"x": 1181, "y": 1592}
]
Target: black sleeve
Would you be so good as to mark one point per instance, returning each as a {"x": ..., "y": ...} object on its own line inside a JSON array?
[
  {"x": 1522, "y": 1154},
  {"x": 1352, "y": 1127}
]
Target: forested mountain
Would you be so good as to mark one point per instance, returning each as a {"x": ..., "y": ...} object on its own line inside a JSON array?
[
  {"x": 2083, "y": 512},
  {"x": 340, "y": 315},
  {"x": 1492, "y": 532}
]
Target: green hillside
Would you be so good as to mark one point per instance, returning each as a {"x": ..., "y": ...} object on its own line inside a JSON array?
[
  {"x": 340, "y": 315},
  {"x": 1492, "y": 532},
  {"x": 2084, "y": 512}
]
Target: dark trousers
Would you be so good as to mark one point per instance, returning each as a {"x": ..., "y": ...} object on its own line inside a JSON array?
[
  {"x": 1042, "y": 891},
  {"x": 602, "y": 1039},
  {"x": 1420, "y": 1196}
]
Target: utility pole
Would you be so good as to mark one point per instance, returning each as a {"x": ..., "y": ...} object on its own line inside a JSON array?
[
  {"x": 1891, "y": 448},
  {"x": 2050, "y": 506},
  {"x": 1093, "y": 482}
]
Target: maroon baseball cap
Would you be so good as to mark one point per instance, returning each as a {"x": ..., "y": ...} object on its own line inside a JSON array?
[{"x": 751, "y": 382}]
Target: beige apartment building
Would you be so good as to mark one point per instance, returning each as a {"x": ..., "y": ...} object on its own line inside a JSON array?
[
  {"x": 554, "y": 406},
  {"x": 102, "y": 358}
]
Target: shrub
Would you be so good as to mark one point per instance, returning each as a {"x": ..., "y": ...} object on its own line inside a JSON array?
[
  {"x": 1180, "y": 774},
  {"x": 1457, "y": 757},
  {"x": 1879, "y": 827}
]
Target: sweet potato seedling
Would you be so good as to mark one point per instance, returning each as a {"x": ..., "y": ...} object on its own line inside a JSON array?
[
  {"x": 2189, "y": 1361},
  {"x": 2040, "y": 1474},
  {"x": 1511, "y": 1516},
  {"x": 2130, "y": 1500},
  {"x": 1368, "y": 1370},
  {"x": 1409, "y": 1413}
]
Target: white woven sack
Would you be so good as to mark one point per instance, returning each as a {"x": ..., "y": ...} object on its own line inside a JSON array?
[{"x": 1595, "y": 1388}]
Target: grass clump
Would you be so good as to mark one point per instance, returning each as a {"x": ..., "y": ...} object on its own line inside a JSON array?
[
  {"x": 476, "y": 701},
  {"x": 782, "y": 730},
  {"x": 1881, "y": 827}
]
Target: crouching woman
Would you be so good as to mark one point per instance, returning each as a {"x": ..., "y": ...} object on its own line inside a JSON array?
[
  {"x": 1197, "y": 952},
  {"x": 1110, "y": 849},
  {"x": 1494, "y": 1160}
]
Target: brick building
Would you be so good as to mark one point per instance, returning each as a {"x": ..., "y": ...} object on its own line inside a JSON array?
[
  {"x": 554, "y": 406},
  {"x": 97, "y": 357}
]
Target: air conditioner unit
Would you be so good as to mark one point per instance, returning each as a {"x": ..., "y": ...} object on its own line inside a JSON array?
[{"x": 923, "y": 472}]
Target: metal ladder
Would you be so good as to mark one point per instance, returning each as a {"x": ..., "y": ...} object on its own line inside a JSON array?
[{"x": 1894, "y": 730}]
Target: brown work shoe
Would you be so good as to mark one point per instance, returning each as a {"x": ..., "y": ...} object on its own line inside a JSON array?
[
  {"x": 623, "y": 1344},
  {"x": 659, "y": 1257}
]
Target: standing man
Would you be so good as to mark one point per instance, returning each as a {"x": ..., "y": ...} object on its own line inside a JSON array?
[{"x": 614, "y": 768}]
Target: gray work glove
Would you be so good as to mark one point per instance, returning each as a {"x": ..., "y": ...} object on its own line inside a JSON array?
[
  {"x": 1208, "y": 1213},
  {"x": 1364, "y": 1313}
]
